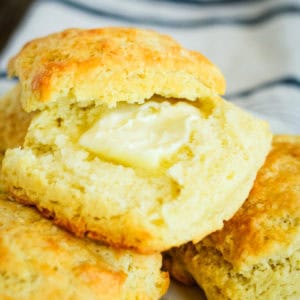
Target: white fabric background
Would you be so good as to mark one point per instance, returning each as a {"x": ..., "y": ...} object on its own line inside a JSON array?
[{"x": 255, "y": 43}]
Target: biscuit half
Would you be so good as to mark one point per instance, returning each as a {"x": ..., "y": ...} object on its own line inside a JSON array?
[
  {"x": 110, "y": 65},
  {"x": 257, "y": 253},
  {"x": 149, "y": 175},
  {"x": 40, "y": 261}
]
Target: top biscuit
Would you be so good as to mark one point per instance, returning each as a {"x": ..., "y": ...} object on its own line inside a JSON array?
[{"x": 110, "y": 65}]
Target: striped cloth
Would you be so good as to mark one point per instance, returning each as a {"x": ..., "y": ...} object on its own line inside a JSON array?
[{"x": 255, "y": 43}]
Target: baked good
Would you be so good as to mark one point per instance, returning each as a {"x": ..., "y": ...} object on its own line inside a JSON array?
[
  {"x": 257, "y": 253},
  {"x": 14, "y": 120},
  {"x": 40, "y": 261},
  {"x": 132, "y": 145},
  {"x": 110, "y": 65}
]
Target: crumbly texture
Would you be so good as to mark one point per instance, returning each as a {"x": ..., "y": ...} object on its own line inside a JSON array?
[
  {"x": 257, "y": 253},
  {"x": 14, "y": 121},
  {"x": 40, "y": 261},
  {"x": 110, "y": 65},
  {"x": 188, "y": 197}
]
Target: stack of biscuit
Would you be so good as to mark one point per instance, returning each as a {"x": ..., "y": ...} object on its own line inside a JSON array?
[{"x": 130, "y": 148}]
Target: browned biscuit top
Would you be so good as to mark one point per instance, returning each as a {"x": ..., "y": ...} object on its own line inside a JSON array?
[{"x": 111, "y": 65}]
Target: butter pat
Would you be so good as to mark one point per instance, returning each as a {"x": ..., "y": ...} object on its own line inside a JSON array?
[{"x": 141, "y": 135}]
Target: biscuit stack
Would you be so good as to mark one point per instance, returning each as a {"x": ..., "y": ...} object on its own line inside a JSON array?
[{"x": 129, "y": 145}]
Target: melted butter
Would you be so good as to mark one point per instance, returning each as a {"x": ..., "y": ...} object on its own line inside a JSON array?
[{"x": 141, "y": 135}]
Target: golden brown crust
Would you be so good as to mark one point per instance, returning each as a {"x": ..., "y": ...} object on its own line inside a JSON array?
[
  {"x": 270, "y": 218},
  {"x": 38, "y": 260},
  {"x": 76, "y": 227},
  {"x": 177, "y": 269},
  {"x": 110, "y": 65}
]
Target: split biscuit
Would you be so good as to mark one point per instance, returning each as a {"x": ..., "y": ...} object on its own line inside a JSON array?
[
  {"x": 110, "y": 65},
  {"x": 132, "y": 145},
  {"x": 257, "y": 253},
  {"x": 40, "y": 261}
]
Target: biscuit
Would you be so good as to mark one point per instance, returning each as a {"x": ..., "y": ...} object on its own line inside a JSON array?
[
  {"x": 110, "y": 65},
  {"x": 146, "y": 176},
  {"x": 14, "y": 120},
  {"x": 257, "y": 253},
  {"x": 40, "y": 261}
]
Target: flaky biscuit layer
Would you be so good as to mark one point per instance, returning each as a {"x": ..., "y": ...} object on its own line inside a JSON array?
[
  {"x": 110, "y": 65},
  {"x": 40, "y": 261},
  {"x": 257, "y": 253}
]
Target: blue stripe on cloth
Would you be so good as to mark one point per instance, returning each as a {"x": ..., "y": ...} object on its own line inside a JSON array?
[
  {"x": 286, "y": 81},
  {"x": 3, "y": 75},
  {"x": 267, "y": 15}
]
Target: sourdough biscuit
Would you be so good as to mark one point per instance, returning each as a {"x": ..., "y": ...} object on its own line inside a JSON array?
[
  {"x": 40, "y": 261},
  {"x": 147, "y": 175},
  {"x": 257, "y": 253},
  {"x": 14, "y": 121},
  {"x": 110, "y": 65}
]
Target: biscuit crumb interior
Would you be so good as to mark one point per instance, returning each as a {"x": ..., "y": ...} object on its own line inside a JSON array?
[{"x": 216, "y": 165}]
